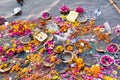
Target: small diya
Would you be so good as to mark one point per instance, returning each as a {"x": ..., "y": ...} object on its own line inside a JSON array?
[
  {"x": 67, "y": 56},
  {"x": 82, "y": 18},
  {"x": 64, "y": 9},
  {"x": 45, "y": 15},
  {"x": 112, "y": 48},
  {"x": 52, "y": 27},
  {"x": 117, "y": 62},
  {"x": 106, "y": 60},
  {"x": 47, "y": 62},
  {"x": 101, "y": 46},
  {"x": 59, "y": 48},
  {"x": 89, "y": 59},
  {"x": 5, "y": 67},
  {"x": 25, "y": 39},
  {"x": 61, "y": 67}
]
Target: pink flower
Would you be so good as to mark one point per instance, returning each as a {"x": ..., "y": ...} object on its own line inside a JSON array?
[
  {"x": 16, "y": 41},
  {"x": 10, "y": 54},
  {"x": 32, "y": 50},
  {"x": 4, "y": 58},
  {"x": 11, "y": 34},
  {"x": 27, "y": 32},
  {"x": 49, "y": 45},
  {"x": 50, "y": 52},
  {"x": 48, "y": 59},
  {"x": 79, "y": 10},
  {"x": 116, "y": 30},
  {"x": 89, "y": 77},
  {"x": 63, "y": 75},
  {"x": 100, "y": 75},
  {"x": 17, "y": 33},
  {"x": 1, "y": 48},
  {"x": 64, "y": 8},
  {"x": 58, "y": 19}
]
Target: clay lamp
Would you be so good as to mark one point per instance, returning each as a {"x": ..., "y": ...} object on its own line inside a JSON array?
[
  {"x": 82, "y": 19},
  {"x": 67, "y": 56},
  {"x": 89, "y": 59},
  {"x": 6, "y": 67},
  {"x": 45, "y": 15},
  {"x": 2, "y": 20},
  {"x": 106, "y": 60},
  {"x": 101, "y": 46},
  {"x": 64, "y": 9},
  {"x": 112, "y": 48},
  {"x": 24, "y": 39},
  {"x": 59, "y": 47},
  {"x": 117, "y": 62},
  {"x": 47, "y": 62},
  {"x": 61, "y": 67}
]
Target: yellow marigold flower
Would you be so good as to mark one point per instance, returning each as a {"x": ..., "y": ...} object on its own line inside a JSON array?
[
  {"x": 63, "y": 16},
  {"x": 24, "y": 70},
  {"x": 67, "y": 41},
  {"x": 79, "y": 60},
  {"x": 12, "y": 49},
  {"x": 108, "y": 78},
  {"x": 59, "y": 49},
  {"x": 75, "y": 24},
  {"x": 14, "y": 45},
  {"x": 80, "y": 50},
  {"x": 55, "y": 77},
  {"x": 69, "y": 48},
  {"x": 41, "y": 50}
]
